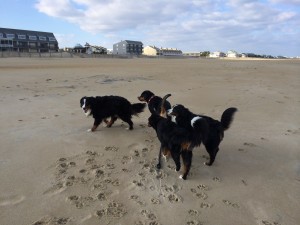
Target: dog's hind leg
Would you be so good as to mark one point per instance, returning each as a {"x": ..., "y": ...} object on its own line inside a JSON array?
[
  {"x": 187, "y": 162},
  {"x": 158, "y": 166},
  {"x": 176, "y": 158},
  {"x": 127, "y": 120},
  {"x": 111, "y": 122},
  {"x": 212, "y": 156}
]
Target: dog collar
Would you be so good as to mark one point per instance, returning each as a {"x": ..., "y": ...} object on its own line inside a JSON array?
[{"x": 151, "y": 98}]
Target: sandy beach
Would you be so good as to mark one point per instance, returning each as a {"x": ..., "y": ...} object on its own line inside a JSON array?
[{"x": 52, "y": 171}]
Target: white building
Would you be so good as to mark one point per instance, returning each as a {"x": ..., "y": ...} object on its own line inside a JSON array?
[
  {"x": 232, "y": 54},
  {"x": 154, "y": 51},
  {"x": 217, "y": 54}
]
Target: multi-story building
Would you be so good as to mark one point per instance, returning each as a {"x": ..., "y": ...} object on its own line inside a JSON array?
[
  {"x": 217, "y": 54},
  {"x": 153, "y": 50},
  {"x": 27, "y": 41},
  {"x": 128, "y": 48}
]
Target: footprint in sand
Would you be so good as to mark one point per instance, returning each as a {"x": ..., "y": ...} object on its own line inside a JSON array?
[
  {"x": 229, "y": 203},
  {"x": 52, "y": 220},
  {"x": 80, "y": 201},
  {"x": 126, "y": 159},
  {"x": 174, "y": 198},
  {"x": 137, "y": 200},
  {"x": 217, "y": 179},
  {"x": 200, "y": 195},
  {"x": 193, "y": 212},
  {"x": 100, "y": 186},
  {"x": 148, "y": 214},
  {"x": 249, "y": 144},
  {"x": 102, "y": 196},
  {"x": 155, "y": 201},
  {"x": 193, "y": 222},
  {"x": 203, "y": 187},
  {"x": 140, "y": 183},
  {"x": 112, "y": 210},
  {"x": 264, "y": 222},
  {"x": 111, "y": 148},
  {"x": 205, "y": 205}
]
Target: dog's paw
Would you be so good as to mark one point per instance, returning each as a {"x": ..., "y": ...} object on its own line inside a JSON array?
[
  {"x": 89, "y": 130},
  {"x": 207, "y": 164},
  {"x": 182, "y": 177},
  {"x": 165, "y": 157}
]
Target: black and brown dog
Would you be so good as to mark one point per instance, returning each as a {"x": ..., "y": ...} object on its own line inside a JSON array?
[
  {"x": 103, "y": 107},
  {"x": 154, "y": 103},
  {"x": 188, "y": 120},
  {"x": 174, "y": 140}
]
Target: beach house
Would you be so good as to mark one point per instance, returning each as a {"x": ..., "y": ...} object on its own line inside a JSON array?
[
  {"x": 128, "y": 47},
  {"x": 27, "y": 41},
  {"x": 232, "y": 54},
  {"x": 153, "y": 51},
  {"x": 217, "y": 54}
]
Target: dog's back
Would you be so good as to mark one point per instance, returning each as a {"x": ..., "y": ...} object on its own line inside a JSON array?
[
  {"x": 168, "y": 133},
  {"x": 112, "y": 105}
]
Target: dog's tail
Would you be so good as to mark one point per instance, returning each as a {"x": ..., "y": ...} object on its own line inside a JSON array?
[
  {"x": 163, "y": 112},
  {"x": 201, "y": 127},
  {"x": 137, "y": 108},
  {"x": 227, "y": 117}
]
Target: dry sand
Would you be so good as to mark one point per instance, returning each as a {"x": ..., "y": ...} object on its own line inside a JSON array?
[{"x": 52, "y": 171}]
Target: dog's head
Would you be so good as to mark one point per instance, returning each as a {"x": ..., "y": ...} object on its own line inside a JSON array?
[
  {"x": 176, "y": 110},
  {"x": 145, "y": 96},
  {"x": 86, "y": 105}
]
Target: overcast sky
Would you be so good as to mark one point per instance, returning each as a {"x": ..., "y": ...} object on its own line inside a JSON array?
[{"x": 257, "y": 26}]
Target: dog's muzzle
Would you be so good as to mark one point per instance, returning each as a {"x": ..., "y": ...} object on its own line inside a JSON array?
[{"x": 87, "y": 111}]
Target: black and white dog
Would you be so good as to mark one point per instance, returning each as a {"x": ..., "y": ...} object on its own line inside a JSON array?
[
  {"x": 188, "y": 120},
  {"x": 103, "y": 107},
  {"x": 174, "y": 140},
  {"x": 154, "y": 103}
]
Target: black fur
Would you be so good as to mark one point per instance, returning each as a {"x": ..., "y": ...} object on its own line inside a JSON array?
[
  {"x": 102, "y": 107},
  {"x": 154, "y": 102},
  {"x": 174, "y": 140},
  {"x": 184, "y": 118}
]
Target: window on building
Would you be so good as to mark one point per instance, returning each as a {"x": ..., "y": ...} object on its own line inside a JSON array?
[
  {"x": 10, "y": 36},
  {"x": 42, "y": 38},
  {"x": 21, "y": 36},
  {"x": 1, "y": 35},
  {"x": 52, "y": 39},
  {"x": 33, "y": 38}
]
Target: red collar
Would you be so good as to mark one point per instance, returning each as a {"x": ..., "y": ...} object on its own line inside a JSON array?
[{"x": 151, "y": 98}]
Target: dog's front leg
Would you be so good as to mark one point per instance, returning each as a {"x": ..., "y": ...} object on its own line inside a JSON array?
[
  {"x": 187, "y": 156},
  {"x": 96, "y": 124},
  {"x": 158, "y": 166}
]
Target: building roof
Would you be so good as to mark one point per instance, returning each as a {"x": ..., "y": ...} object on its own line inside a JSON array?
[
  {"x": 133, "y": 42},
  {"x": 28, "y": 33}
]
